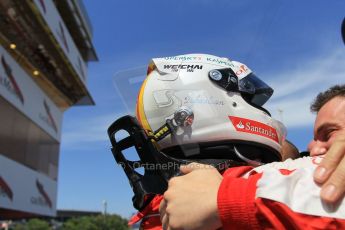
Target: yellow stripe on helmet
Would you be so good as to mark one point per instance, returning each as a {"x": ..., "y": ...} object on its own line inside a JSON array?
[{"x": 140, "y": 112}]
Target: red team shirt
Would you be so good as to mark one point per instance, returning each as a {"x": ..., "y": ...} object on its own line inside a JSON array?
[{"x": 279, "y": 195}]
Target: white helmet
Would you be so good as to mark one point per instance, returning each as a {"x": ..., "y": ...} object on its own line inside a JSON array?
[{"x": 215, "y": 104}]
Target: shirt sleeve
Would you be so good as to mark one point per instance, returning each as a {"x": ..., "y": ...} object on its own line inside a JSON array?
[
  {"x": 149, "y": 216},
  {"x": 266, "y": 200},
  {"x": 236, "y": 204}
]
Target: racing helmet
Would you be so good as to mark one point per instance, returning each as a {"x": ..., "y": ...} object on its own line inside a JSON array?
[{"x": 214, "y": 105}]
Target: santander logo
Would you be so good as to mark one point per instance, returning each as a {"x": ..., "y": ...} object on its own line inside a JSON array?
[
  {"x": 240, "y": 125},
  {"x": 254, "y": 127}
]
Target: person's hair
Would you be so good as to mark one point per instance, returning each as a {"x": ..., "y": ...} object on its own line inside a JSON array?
[{"x": 323, "y": 97}]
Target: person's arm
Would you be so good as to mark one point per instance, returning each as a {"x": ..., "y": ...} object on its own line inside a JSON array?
[
  {"x": 190, "y": 202},
  {"x": 331, "y": 171},
  {"x": 271, "y": 199},
  {"x": 275, "y": 199}
]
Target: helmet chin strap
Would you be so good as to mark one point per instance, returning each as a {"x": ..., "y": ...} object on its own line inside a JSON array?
[{"x": 245, "y": 159}]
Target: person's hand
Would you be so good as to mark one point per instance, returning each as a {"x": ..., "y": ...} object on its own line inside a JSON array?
[
  {"x": 191, "y": 200},
  {"x": 331, "y": 171}
]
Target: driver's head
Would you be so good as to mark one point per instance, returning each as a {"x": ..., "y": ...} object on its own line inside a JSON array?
[{"x": 214, "y": 103}]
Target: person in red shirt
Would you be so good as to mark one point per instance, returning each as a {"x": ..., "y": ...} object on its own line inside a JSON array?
[{"x": 278, "y": 195}]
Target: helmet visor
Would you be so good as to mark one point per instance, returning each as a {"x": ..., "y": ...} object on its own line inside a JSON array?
[{"x": 254, "y": 90}]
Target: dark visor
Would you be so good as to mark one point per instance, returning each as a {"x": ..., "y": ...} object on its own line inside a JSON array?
[
  {"x": 258, "y": 91},
  {"x": 253, "y": 90}
]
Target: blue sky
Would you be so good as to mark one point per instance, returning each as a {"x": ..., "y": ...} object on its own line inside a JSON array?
[{"x": 295, "y": 46}]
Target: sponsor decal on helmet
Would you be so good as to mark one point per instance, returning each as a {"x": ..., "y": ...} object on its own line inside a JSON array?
[
  {"x": 5, "y": 189},
  {"x": 254, "y": 127},
  {"x": 220, "y": 61},
  {"x": 195, "y": 98},
  {"x": 189, "y": 68},
  {"x": 183, "y": 58},
  {"x": 242, "y": 70}
]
